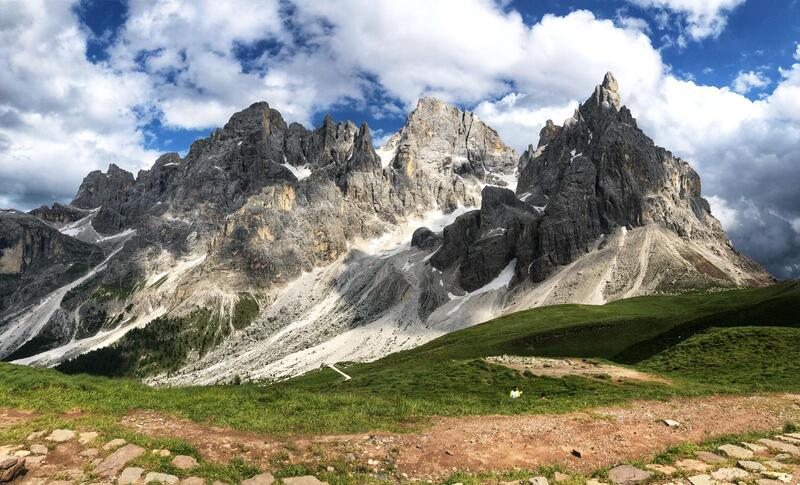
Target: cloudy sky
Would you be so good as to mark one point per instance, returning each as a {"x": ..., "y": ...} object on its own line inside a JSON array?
[{"x": 85, "y": 83}]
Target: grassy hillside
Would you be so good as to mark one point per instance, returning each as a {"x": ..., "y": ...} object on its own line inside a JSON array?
[{"x": 448, "y": 377}]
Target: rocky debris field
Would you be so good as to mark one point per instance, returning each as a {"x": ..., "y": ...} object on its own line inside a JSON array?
[{"x": 543, "y": 366}]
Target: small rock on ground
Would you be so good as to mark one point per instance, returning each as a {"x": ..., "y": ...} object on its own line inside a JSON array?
[
  {"x": 193, "y": 481},
  {"x": 35, "y": 435},
  {"x": 701, "y": 480},
  {"x": 692, "y": 465},
  {"x": 768, "y": 481},
  {"x": 304, "y": 480},
  {"x": 22, "y": 453},
  {"x": 781, "y": 477},
  {"x": 538, "y": 481},
  {"x": 736, "y": 452},
  {"x": 88, "y": 437},
  {"x": 116, "y": 461},
  {"x": 162, "y": 453},
  {"x": 90, "y": 452},
  {"x": 671, "y": 423},
  {"x": 130, "y": 475},
  {"x": 560, "y": 477},
  {"x": 38, "y": 449},
  {"x": 729, "y": 474},
  {"x": 751, "y": 466},
  {"x": 628, "y": 475},
  {"x": 754, "y": 447},
  {"x": 10, "y": 467},
  {"x": 184, "y": 462},
  {"x": 160, "y": 478},
  {"x": 61, "y": 435},
  {"x": 709, "y": 457},
  {"x": 262, "y": 479},
  {"x": 775, "y": 464},
  {"x": 781, "y": 446},
  {"x": 115, "y": 443},
  {"x": 662, "y": 469}
]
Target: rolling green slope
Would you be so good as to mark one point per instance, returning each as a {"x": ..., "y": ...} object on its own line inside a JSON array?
[{"x": 727, "y": 342}]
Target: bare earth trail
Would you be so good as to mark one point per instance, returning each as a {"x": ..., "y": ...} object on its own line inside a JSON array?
[{"x": 604, "y": 436}]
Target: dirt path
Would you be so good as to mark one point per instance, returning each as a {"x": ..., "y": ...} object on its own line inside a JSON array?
[{"x": 604, "y": 436}]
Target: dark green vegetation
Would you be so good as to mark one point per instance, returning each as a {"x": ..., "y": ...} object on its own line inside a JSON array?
[
  {"x": 448, "y": 377},
  {"x": 164, "y": 343}
]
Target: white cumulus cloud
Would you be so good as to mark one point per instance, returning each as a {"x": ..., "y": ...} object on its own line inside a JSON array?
[{"x": 747, "y": 81}]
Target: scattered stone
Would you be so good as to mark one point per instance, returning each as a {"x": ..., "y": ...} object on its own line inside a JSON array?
[
  {"x": 22, "y": 453},
  {"x": 781, "y": 446},
  {"x": 628, "y": 475},
  {"x": 729, "y": 474},
  {"x": 751, "y": 466},
  {"x": 162, "y": 453},
  {"x": 116, "y": 461},
  {"x": 781, "y": 477},
  {"x": 9, "y": 449},
  {"x": 184, "y": 462},
  {"x": 88, "y": 437},
  {"x": 161, "y": 478},
  {"x": 262, "y": 479},
  {"x": 560, "y": 477},
  {"x": 662, "y": 469},
  {"x": 34, "y": 461},
  {"x": 90, "y": 452},
  {"x": 113, "y": 444},
  {"x": 768, "y": 481},
  {"x": 671, "y": 423},
  {"x": 372, "y": 462},
  {"x": 130, "y": 475},
  {"x": 304, "y": 480},
  {"x": 754, "y": 447},
  {"x": 35, "y": 435},
  {"x": 711, "y": 458},
  {"x": 330, "y": 469},
  {"x": 10, "y": 467},
  {"x": 538, "y": 481},
  {"x": 793, "y": 435},
  {"x": 38, "y": 449},
  {"x": 736, "y": 452},
  {"x": 783, "y": 456},
  {"x": 61, "y": 435},
  {"x": 789, "y": 439},
  {"x": 701, "y": 480},
  {"x": 594, "y": 481},
  {"x": 692, "y": 465},
  {"x": 775, "y": 464},
  {"x": 193, "y": 481}
]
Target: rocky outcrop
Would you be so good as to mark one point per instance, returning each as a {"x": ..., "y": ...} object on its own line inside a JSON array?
[
  {"x": 596, "y": 173},
  {"x": 35, "y": 258},
  {"x": 59, "y": 215}
]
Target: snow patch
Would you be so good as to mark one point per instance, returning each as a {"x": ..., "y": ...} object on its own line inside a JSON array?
[
  {"x": 301, "y": 172},
  {"x": 501, "y": 281}
]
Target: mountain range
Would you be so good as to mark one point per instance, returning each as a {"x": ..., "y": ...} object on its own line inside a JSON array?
[{"x": 270, "y": 249}]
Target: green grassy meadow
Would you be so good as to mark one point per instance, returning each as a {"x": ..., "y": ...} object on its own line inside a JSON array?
[{"x": 737, "y": 341}]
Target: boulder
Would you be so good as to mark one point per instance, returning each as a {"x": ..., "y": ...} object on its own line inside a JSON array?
[{"x": 628, "y": 475}]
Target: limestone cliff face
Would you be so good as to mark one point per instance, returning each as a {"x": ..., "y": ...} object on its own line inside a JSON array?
[
  {"x": 595, "y": 173},
  {"x": 348, "y": 252}
]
